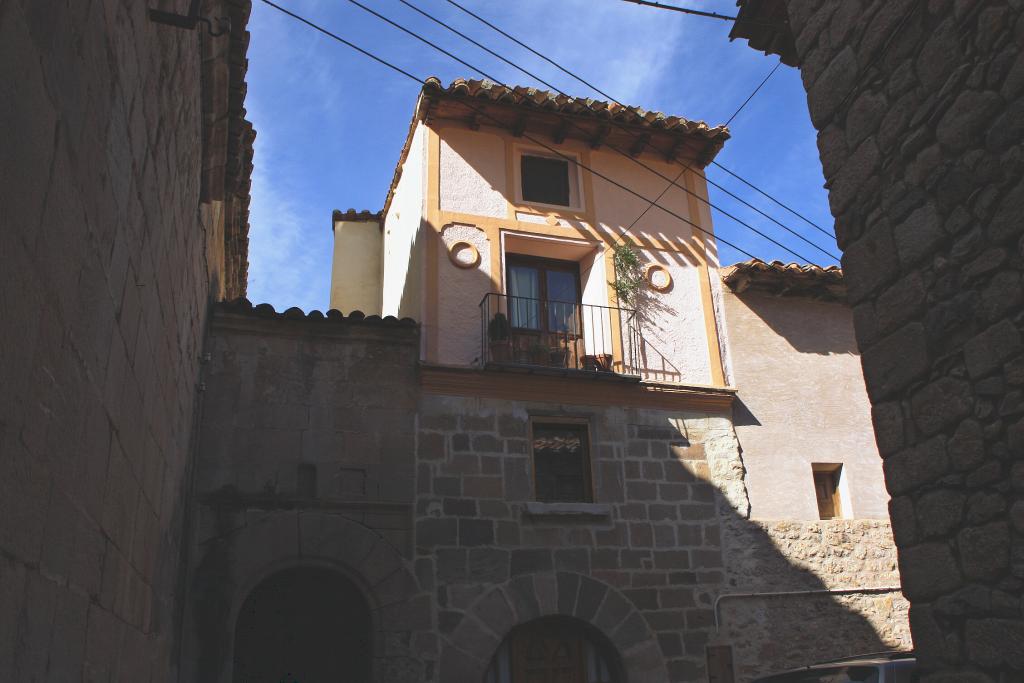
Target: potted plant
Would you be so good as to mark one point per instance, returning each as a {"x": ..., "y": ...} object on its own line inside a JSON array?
[
  {"x": 498, "y": 333},
  {"x": 539, "y": 354}
]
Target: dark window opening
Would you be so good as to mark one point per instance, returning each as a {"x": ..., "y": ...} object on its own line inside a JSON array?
[
  {"x": 304, "y": 624},
  {"x": 545, "y": 180},
  {"x": 561, "y": 463}
]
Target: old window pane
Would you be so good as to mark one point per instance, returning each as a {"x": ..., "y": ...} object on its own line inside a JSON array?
[{"x": 561, "y": 462}]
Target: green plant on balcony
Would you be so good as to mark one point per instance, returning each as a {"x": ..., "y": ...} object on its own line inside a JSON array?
[
  {"x": 629, "y": 274},
  {"x": 498, "y": 333}
]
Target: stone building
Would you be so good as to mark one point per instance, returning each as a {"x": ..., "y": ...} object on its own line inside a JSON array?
[
  {"x": 533, "y": 476},
  {"x": 124, "y": 186},
  {"x": 918, "y": 107}
]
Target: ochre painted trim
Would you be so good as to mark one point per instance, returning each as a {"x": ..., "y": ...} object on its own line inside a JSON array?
[
  {"x": 566, "y": 389},
  {"x": 432, "y": 237},
  {"x": 706, "y": 297}
]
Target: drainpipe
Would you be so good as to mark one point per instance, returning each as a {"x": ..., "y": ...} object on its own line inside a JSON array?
[{"x": 815, "y": 591}]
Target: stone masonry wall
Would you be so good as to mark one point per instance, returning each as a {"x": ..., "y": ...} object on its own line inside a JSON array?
[
  {"x": 104, "y": 286},
  {"x": 306, "y": 458},
  {"x": 655, "y": 541},
  {"x": 780, "y": 632},
  {"x": 670, "y": 501},
  {"x": 920, "y": 112}
]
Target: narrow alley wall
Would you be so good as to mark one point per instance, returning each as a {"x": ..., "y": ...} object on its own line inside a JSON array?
[
  {"x": 919, "y": 108},
  {"x": 118, "y": 226}
]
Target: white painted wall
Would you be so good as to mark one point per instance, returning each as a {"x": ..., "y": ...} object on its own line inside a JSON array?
[
  {"x": 461, "y": 289},
  {"x": 402, "y": 269},
  {"x": 798, "y": 374},
  {"x": 472, "y": 172}
]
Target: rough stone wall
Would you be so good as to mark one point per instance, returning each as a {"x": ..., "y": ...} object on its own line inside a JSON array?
[
  {"x": 104, "y": 285},
  {"x": 780, "y": 632},
  {"x": 919, "y": 109},
  {"x": 306, "y": 456}
]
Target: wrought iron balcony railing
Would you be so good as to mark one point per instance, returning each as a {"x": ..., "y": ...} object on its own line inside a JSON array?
[{"x": 517, "y": 330}]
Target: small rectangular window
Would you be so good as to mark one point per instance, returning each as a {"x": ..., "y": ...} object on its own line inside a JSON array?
[
  {"x": 545, "y": 180},
  {"x": 826, "y": 489},
  {"x": 561, "y": 463}
]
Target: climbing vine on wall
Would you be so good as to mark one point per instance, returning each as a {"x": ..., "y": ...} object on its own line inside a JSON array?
[{"x": 629, "y": 274}]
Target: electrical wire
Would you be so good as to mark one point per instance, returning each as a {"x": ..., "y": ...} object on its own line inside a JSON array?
[
  {"x": 540, "y": 143},
  {"x": 751, "y": 96},
  {"x": 673, "y": 183},
  {"x": 593, "y": 87},
  {"x": 684, "y": 10}
]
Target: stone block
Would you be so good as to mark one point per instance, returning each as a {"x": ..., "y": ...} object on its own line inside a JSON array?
[
  {"x": 530, "y": 560},
  {"x": 431, "y": 533},
  {"x": 963, "y": 122},
  {"x": 873, "y": 260},
  {"x": 966, "y": 448},
  {"x": 995, "y": 642},
  {"x": 489, "y": 565},
  {"x": 928, "y": 570},
  {"x": 916, "y": 466},
  {"x": 918, "y": 235},
  {"x": 984, "y": 550},
  {"x": 937, "y": 405},
  {"x": 474, "y": 532},
  {"x": 482, "y": 487},
  {"x": 858, "y": 169},
  {"x": 987, "y": 351},
  {"x": 895, "y": 361},
  {"x": 831, "y": 87},
  {"x": 939, "y": 512}
]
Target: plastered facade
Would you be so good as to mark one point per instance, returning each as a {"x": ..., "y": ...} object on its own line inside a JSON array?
[{"x": 795, "y": 363}]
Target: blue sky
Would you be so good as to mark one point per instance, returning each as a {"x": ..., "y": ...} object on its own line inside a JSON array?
[{"x": 330, "y": 122}]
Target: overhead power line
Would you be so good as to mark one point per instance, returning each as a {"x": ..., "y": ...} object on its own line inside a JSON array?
[
  {"x": 569, "y": 121},
  {"x": 596, "y": 89},
  {"x": 751, "y": 95},
  {"x": 784, "y": 206},
  {"x": 684, "y": 10},
  {"x": 498, "y": 123}
]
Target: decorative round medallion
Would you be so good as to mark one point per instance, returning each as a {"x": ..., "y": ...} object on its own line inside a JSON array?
[
  {"x": 464, "y": 255},
  {"x": 658, "y": 278}
]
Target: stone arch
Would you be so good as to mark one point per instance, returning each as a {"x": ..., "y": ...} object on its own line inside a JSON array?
[
  {"x": 468, "y": 646},
  {"x": 233, "y": 564}
]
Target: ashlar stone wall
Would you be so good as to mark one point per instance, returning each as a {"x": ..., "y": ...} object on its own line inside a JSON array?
[
  {"x": 920, "y": 116},
  {"x": 104, "y": 285},
  {"x": 306, "y": 458}
]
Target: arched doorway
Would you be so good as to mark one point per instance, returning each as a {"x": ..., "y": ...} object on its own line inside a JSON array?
[
  {"x": 303, "y": 625},
  {"x": 554, "y": 650}
]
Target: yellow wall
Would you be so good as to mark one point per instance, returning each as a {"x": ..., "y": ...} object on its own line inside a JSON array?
[{"x": 356, "y": 267}]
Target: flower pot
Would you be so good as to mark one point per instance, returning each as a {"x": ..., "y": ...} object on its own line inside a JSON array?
[{"x": 500, "y": 351}]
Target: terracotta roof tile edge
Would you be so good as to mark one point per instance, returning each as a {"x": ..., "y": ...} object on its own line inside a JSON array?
[
  {"x": 245, "y": 307},
  {"x": 826, "y": 282},
  {"x": 545, "y": 100},
  {"x": 353, "y": 216}
]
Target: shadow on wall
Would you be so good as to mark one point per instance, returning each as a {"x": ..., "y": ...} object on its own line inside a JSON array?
[
  {"x": 649, "y": 578},
  {"x": 449, "y": 564},
  {"x": 835, "y": 336}
]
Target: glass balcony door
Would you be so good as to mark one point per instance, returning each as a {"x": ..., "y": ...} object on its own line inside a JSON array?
[{"x": 543, "y": 309}]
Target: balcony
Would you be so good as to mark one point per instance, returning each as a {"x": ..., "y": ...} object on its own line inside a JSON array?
[{"x": 550, "y": 336}]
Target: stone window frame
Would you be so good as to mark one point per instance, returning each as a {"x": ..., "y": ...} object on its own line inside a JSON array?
[{"x": 575, "y": 421}]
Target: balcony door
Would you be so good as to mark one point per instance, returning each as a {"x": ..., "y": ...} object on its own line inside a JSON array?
[{"x": 543, "y": 309}]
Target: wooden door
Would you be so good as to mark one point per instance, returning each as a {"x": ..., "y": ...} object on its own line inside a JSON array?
[{"x": 548, "y": 654}]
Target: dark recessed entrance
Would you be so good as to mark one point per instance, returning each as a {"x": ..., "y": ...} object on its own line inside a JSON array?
[{"x": 303, "y": 625}]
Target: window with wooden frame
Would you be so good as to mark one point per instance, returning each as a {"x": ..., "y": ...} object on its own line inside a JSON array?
[
  {"x": 561, "y": 461},
  {"x": 827, "y": 477},
  {"x": 550, "y": 180}
]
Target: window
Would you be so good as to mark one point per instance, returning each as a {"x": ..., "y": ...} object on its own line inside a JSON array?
[
  {"x": 826, "y": 488},
  {"x": 543, "y": 293},
  {"x": 547, "y": 180},
  {"x": 561, "y": 462}
]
